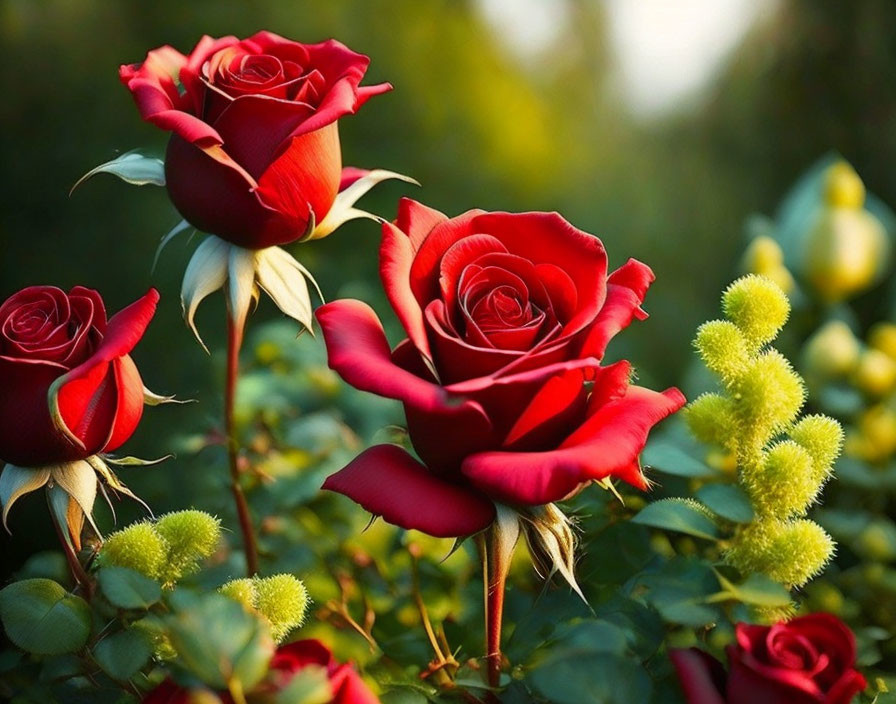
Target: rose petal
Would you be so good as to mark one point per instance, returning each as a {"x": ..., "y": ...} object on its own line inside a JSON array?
[
  {"x": 390, "y": 483},
  {"x": 701, "y": 676},
  {"x": 130, "y": 402}
]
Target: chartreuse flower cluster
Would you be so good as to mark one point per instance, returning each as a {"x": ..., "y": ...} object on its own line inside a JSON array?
[
  {"x": 281, "y": 599},
  {"x": 167, "y": 549},
  {"x": 782, "y": 461}
]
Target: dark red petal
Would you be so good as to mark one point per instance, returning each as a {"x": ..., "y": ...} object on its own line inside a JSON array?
[
  {"x": 701, "y": 676},
  {"x": 605, "y": 445},
  {"x": 626, "y": 288},
  {"x": 349, "y": 688},
  {"x": 424, "y": 274},
  {"x": 130, "y": 402},
  {"x": 349, "y": 175},
  {"x": 417, "y": 221},
  {"x": 306, "y": 175},
  {"x": 457, "y": 257},
  {"x": 750, "y": 681},
  {"x": 558, "y": 402},
  {"x": 396, "y": 256},
  {"x": 294, "y": 656},
  {"x": 390, "y": 483}
]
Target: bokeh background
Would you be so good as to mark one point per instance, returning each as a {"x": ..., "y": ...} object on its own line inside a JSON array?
[{"x": 658, "y": 125}]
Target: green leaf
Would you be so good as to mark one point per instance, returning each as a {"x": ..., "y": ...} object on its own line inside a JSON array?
[
  {"x": 757, "y": 589},
  {"x": 218, "y": 641},
  {"x": 42, "y": 618},
  {"x": 727, "y": 501},
  {"x": 596, "y": 679},
  {"x": 672, "y": 459},
  {"x": 678, "y": 515},
  {"x": 310, "y": 685},
  {"x": 403, "y": 696},
  {"x": 127, "y": 588},
  {"x": 123, "y": 654},
  {"x": 132, "y": 167}
]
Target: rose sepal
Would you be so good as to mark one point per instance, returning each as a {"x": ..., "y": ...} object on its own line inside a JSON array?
[
  {"x": 243, "y": 273},
  {"x": 343, "y": 208},
  {"x": 131, "y": 167}
]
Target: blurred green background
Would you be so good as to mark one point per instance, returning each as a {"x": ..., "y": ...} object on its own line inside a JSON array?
[{"x": 659, "y": 126}]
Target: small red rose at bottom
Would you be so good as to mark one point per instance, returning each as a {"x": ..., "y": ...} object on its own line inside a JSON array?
[
  {"x": 808, "y": 660},
  {"x": 346, "y": 685}
]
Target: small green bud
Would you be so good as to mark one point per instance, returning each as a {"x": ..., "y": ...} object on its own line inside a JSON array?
[
  {"x": 832, "y": 351},
  {"x": 769, "y": 394},
  {"x": 784, "y": 484},
  {"x": 712, "y": 419},
  {"x": 191, "y": 536},
  {"x": 138, "y": 547},
  {"x": 790, "y": 552},
  {"x": 241, "y": 590},
  {"x": 878, "y": 541},
  {"x": 843, "y": 187},
  {"x": 722, "y": 348},
  {"x": 282, "y": 600},
  {"x": 758, "y": 307},
  {"x": 822, "y": 437}
]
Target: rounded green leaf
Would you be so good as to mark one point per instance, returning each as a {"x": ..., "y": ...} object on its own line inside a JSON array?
[
  {"x": 680, "y": 515},
  {"x": 727, "y": 501},
  {"x": 123, "y": 654},
  {"x": 42, "y": 618},
  {"x": 671, "y": 459},
  {"x": 127, "y": 588}
]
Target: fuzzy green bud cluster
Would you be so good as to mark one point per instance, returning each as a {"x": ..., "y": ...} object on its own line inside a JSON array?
[
  {"x": 166, "y": 549},
  {"x": 281, "y": 599},
  {"x": 783, "y": 461}
]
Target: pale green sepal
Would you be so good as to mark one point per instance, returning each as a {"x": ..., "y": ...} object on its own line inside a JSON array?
[
  {"x": 552, "y": 544},
  {"x": 113, "y": 481},
  {"x": 206, "y": 273},
  {"x": 135, "y": 461},
  {"x": 284, "y": 280},
  {"x": 132, "y": 167},
  {"x": 342, "y": 209},
  {"x": 15, "y": 482},
  {"x": 151, "y": 398},
  {"x": 172, "y": 233},
  {"x": 78, "y": 480},
  {"x": 240, "y": 284}
]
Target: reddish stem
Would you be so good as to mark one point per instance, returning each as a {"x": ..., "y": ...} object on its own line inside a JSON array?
[
  {"x": 495, "y": 567},
  {"x": 234, "y": 342}
]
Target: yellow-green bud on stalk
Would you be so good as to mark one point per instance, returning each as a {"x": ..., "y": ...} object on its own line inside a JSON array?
[
  {"x": 790, "y": 552},
  {"x": 722, "y": 348},
  {"x": 191, "y": 536},
  {"x": 784, "y": 484},
  {"x": 822, "y": 438},
  {"x": 831, "y": 352},
  {"x": 769, "y": 395},
  {"x": 843, "y": 188},
  {"x": 138, "y": 547},
  {"x": 241, "y": 590},
  {"x": 758, "y": 307},
  {"x": 764, "y": 256},
  {"x": 281, "y": 599},
  {"x": 882, "y": 336},
  {"x": 875, "y": 373},
  {"x": 712, "y": 418}
]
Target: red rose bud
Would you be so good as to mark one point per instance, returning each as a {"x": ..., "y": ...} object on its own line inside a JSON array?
[
  {"x": 809, "y": 660},
  {"x": 70, "y": 390},
  {"x": 346, "y": 686},
  {"x": 254, "y": 155},
  {"x": 507, "y": 317}
]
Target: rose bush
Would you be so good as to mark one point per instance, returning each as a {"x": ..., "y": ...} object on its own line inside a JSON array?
[
  {"x": 70, "y": 388},
  {"x": 809, "y": 660},
  {"x": 507, "y": 317},
  {"x": 254, "y": 155},
  {"x": 346, "y": 686}
]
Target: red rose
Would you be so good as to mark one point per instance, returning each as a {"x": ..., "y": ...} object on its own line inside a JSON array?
[
  {"x": 58, "y": 353},
  {"x": 809, "y": 660},
  {"x": 507, "y": 317},
  {"x": 254, "y": 156},
  {"x": 345, "y": 684}
]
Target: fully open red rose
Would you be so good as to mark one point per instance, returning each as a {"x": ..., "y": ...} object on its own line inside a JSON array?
[
  {"x": 809, "y": 660},
  {"x": 58, "y": 352},
  {"x": 507, "y": 317},
  {"x": 254, "y": 156},
  {"x": 345, "y": 684}
]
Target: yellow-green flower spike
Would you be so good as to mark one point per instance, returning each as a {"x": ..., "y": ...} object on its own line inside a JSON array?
[
  {"x": 790, "y": 552},
  {"x": 712, "y": 419},
  {"x": 241, "y": 590},
  {"x": 770, "y": 395},
  {"x": 843, "y": 188},
  {"x": 282, "y": 600},
  {"x": 191, "y": 536},
  {"x": 138, "y": 547},
  {"x": 758, "y": 307},
  {"x": 722, "y": 348},
  {"x": 822, "y": 437},
  {"x": 784, "y": 484}
]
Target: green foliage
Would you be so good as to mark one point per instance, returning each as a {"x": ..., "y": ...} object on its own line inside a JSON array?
[
  {"x": 127, "y": 588},
  {"x": 681, "y": 515},
  {"x": 40, "y": 617},
  {"x": 124, "y": 653}
]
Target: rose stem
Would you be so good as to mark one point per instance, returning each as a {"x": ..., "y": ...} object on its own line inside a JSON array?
[
  {"x": 234, "y": 342},
  {"x": 74, "y": 564},
  {"x": 494, "y": 575}
]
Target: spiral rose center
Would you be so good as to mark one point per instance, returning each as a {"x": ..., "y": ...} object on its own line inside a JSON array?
[{"x": 795, "y": 652}]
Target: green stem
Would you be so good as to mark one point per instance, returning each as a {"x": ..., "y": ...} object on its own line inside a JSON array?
[{"x": 234, "y": 342}]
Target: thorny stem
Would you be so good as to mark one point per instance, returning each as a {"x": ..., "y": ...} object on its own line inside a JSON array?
[
  {"x": 234, "y": 342},
  {"x": 74, "y": 564},
  {"x": 494, "y": 574},
  {"x": 444, "y": 659}
]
